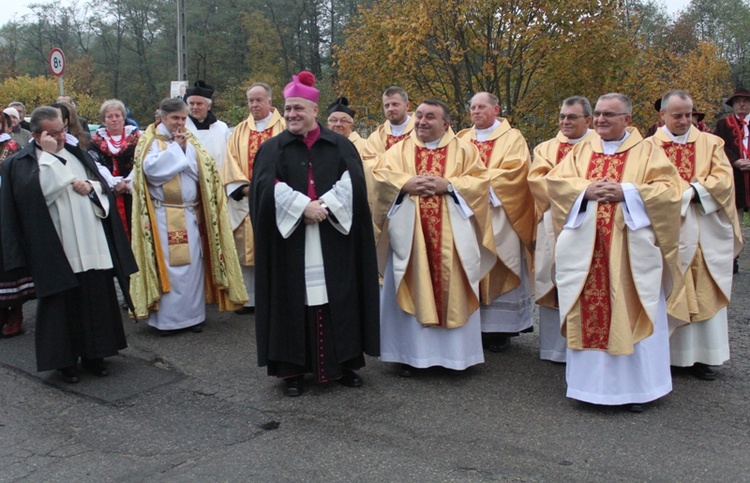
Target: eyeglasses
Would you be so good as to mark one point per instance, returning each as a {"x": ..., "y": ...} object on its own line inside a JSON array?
[
  {"x": 572, "y": 117},
  {"x": 339, "y": 121},
  {"x": 609, "y": 115}
]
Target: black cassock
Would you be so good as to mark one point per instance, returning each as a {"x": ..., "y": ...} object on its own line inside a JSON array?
[
  {"x": 292, "y": 338},
  {"x": 77, "y": 313}
]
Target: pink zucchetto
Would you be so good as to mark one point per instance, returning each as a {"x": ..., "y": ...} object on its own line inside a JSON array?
[{"x": 302, "y": 86}]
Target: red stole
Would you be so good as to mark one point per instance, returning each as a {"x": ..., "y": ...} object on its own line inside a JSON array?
[
  {"x": 562, "y": 150},
  {"x": 682, "y": 156},
  {"x": 485, "y": 149},
  {"x": 596, "y": 306},
  {"x": 390, "y": 140},
  {"x": 255, "y": 139},
  {"x": 432, "y": 162}
]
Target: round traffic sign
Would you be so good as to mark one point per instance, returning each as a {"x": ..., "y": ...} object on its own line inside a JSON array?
[{"x": 57, "y": 62}]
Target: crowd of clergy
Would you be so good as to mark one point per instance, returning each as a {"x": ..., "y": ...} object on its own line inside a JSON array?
[{"x": 419, "y": 245}]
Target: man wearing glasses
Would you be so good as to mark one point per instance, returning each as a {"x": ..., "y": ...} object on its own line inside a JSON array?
[
  {"x": 506, "y": 291},
  {"x": 614, "y": 202},
  {"x": 575, "y": 120}
]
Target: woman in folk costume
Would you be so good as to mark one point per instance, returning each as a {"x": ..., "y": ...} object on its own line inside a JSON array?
[
  {"x": 181, "y": 237},
  {"x": 113, "y": 146},
  {"x": 16, "y": 286}
]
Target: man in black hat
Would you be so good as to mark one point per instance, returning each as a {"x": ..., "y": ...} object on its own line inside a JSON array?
[
  {"x": 341, "y": 120},
  {"x": 733, "y": 130},
  {"x": 659, "y": 123},
  {"x": 212, "y": 133}
]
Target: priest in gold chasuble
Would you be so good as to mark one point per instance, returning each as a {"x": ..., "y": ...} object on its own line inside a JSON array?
[
  {"x": 181, "y": 240},
  {"x": 710, "y": 237},
  {"x": 614, "y": 202},
  {"x": 575, "y": 119},
  {"x": 263, "y": 123},
  {"x": 436, "y": 245},
  {"x": 506, "y": 291}
]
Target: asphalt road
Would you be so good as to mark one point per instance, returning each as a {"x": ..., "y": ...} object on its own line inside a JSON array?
[{"x": 195, "y": 407}]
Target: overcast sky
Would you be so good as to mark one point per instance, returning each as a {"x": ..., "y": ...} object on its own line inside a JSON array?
[{"x": 10, "y": 9}]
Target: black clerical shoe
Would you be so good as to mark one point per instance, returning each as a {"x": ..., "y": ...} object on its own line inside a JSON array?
[
  {"x": 69, "y": 374},
  {"x": 703, "y": 371},
  {"x": 197, "y": 328},
  {"x": 245, "y": 311},
  {"x": 349, "y": 378},
  {"x": 405, "y": 370},
  {"x": 495, "y": 342},
  {"x": 95, "y": 367},
  {"x": 635, "y": 408},
  {"x": 293, "y": 386}
]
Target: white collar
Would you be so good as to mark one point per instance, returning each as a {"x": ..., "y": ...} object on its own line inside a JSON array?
[
  {"x": 578, "y": 140},
  {"x": 483, "y": 134},
  {"x": 433, "y": 144},
  {"x": 611, "y": 147},
  {"x": 677, "y": 139},
  {"x": 261, "y": 124},
  {"x": 398, "y": 129}
]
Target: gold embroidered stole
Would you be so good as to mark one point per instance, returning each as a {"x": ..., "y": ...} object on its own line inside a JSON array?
[
  {"x": 390, "y": 140},
  {"x": 432, "y": 162},
  {"x": 596, "y": 306},
  {"x": 177, "y": 236},
  {"x": 682, "y": 156},
  {"x": 255, "y": 139},
  {"x": 485, "y": 149},
  {"x": 562, "y": 150}
]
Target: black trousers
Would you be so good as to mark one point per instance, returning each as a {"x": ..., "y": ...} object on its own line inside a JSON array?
[
  {"x": 81, "y": 322},
  {"x": 320, "y": 355}
]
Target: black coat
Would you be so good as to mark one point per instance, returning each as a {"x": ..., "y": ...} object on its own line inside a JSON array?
[
  {"x": 349, "y": 260},
  {"x": 730, "y": 131},
  {"x": 29, "y": 238}
]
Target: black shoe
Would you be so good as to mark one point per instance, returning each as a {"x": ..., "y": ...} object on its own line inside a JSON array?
[
  {"x": 350, "y": 379},
  {"x": 703, "y": 371},
  {"x": 293, "y": 386},
  {"x": 245, "y": 311},
  {"x": 406, "y": 370},
  {"x": 736, "y": 266},
  {"x": 69, "y": 374},
  {"x": 95, "y": 367},
  {"x": 495, "y": 342},
  {"x": 197, "y": 328},
  {"x": 635, "y": 408}
]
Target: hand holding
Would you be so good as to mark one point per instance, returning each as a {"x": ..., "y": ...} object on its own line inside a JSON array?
[
  {"x": 82, "y": 187},
  {"x": 315, "y": 212}
]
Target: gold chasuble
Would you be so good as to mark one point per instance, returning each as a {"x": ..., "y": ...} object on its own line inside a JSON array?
[
  {"x": 704, "y": 237},
  {"x": 506, "y": 155},
  {"x": 610, "y": 276},
  {"x": 382, "y": 139},
  {"x": 238, "y": 168},
  {"x": 439, "y": 263},
  {"x": 547, "y": 155},
  {"x": 223, "y": 279}
]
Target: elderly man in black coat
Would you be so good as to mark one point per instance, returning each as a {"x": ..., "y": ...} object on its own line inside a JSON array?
[
  {"x": 57, "y": 222},
  {"x": 316, "y": 276}
]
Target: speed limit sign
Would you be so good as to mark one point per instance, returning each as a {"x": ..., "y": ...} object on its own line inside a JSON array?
[{"x": 57, "y": 62}]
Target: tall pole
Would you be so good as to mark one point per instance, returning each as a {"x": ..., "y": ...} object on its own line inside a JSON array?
[{"x": 181, "y": 42}]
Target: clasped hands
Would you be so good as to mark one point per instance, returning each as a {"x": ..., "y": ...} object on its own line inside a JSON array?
[
  {"x": 82, "y": 187},
  {"x": 424, "y": 185},
  {"x": 605, "y": 191},
  {"x": 315, "y": 212},
  {"x": 742, "y": 164}
]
